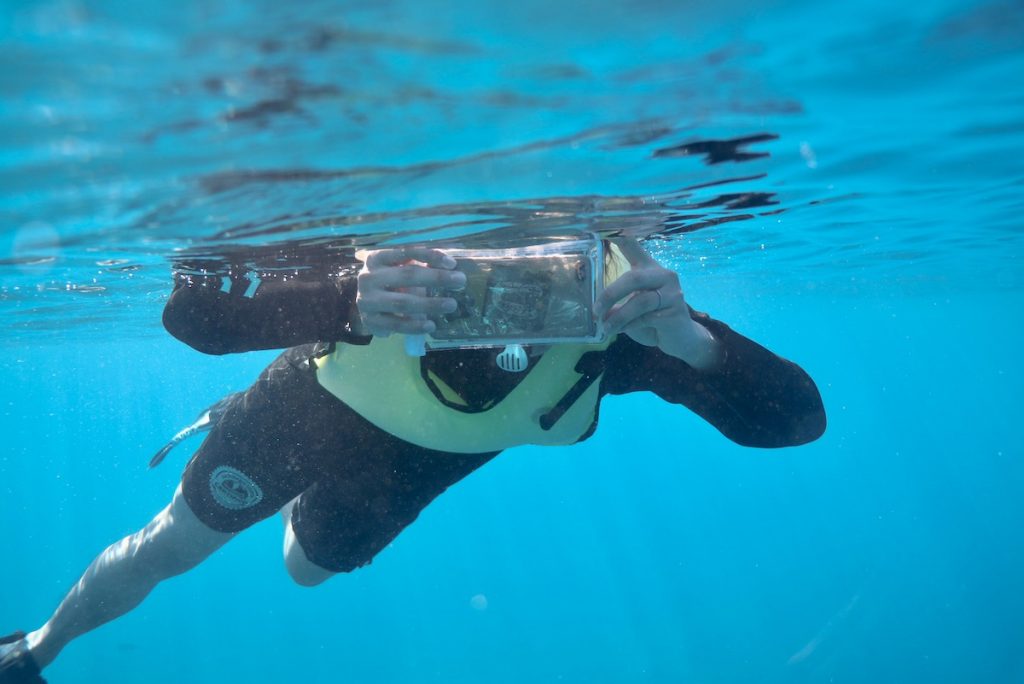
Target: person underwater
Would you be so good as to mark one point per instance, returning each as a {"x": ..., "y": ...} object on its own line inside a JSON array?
[{"x": 349, "y": 436}]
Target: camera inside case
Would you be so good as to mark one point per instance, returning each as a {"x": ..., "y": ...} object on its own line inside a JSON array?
[{"x": 538, "y": 294}]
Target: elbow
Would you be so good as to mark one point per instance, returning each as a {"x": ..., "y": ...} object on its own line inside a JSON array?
[
  {"x": 801, "y": 418},
  {"x": 795, "y": 427},
  {"x": 806, "y": 428},
  {"x": 802, "y": 423},
  {"x": 190, "y": 330},
  {"x": 802, "y": 426},
  {"x": 207, "y": 347}
]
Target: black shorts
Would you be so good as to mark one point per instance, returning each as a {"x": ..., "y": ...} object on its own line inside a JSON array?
[{"x": 286, "y": 436}]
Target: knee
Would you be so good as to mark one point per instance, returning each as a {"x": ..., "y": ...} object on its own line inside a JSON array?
[
  {"x": 308, "y": 575},
  {"x": 307, "y": 581},
  {"x": 304, "y": 572}
]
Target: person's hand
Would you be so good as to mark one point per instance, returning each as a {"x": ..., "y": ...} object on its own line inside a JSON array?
[
  {"x": 647, "y": 304},
  {"x": 391, "y": 292}
]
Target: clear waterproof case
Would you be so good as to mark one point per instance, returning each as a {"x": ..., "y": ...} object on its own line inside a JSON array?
[{"x": 540, "y": 294}]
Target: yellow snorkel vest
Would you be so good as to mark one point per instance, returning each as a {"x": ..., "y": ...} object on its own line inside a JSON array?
[{"x": 384, "y": 385}]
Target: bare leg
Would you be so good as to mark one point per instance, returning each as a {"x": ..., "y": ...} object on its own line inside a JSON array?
[
  {"x": 302, "y": 570},
  {"x": 173, "y": 542}
]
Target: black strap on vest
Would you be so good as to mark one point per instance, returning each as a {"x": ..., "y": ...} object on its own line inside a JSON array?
[
  {"x": 432, "y": 366},
  {"x": 591, "y": 365},
  {"x": 466, "y": 407}
]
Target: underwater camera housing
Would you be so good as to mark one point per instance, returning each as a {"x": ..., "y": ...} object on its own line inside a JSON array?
[{"x": 538, "y": 294}]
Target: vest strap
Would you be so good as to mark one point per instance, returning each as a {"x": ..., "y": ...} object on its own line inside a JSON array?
[{"x": 591, "y": 365}]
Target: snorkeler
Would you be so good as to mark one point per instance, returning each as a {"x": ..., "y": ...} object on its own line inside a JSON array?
[{"x": 349, "y": 437}]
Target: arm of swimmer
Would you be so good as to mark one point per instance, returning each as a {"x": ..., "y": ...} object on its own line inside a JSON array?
[
  {"x": 387, "y": 296},
  {"x": 278, "y": 314},
  {"x": 752, "y": 396}
]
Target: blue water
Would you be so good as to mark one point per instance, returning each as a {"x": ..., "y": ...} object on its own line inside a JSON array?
[{"x": 870, "y": 232}]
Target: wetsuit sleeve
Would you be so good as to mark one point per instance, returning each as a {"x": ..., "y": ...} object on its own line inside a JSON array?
[
  {"x": 752, "y": 396},
  {"x": 215, "y": 319}
]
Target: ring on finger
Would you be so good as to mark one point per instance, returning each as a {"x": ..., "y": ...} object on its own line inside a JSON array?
[{"x": 658, "y": 292}]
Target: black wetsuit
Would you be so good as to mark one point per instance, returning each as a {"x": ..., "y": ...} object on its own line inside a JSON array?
[{"x": 286, "y": 436}]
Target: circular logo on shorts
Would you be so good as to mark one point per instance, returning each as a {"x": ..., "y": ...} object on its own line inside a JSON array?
[{"x": 234, "y": 489}]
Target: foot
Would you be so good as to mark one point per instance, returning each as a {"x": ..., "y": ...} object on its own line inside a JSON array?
[{"x": 16, "y": 663}]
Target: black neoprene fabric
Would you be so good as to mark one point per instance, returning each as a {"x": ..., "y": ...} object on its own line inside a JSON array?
[{"x": 359, "y": 486}]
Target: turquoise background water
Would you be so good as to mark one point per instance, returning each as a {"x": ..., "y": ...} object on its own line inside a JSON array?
[{"x": 890, "y": 550}]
